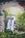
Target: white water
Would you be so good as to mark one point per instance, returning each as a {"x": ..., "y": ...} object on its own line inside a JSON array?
[{"x": 10, "y": 24}]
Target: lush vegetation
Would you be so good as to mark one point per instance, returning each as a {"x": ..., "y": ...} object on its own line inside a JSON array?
[
  {"x": 21, "y": 21},
  {"x": 11, "y": 35}
]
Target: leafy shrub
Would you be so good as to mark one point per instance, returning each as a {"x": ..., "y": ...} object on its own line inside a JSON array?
[
  {"x": 21, "y": 21},
  {"x": 7, "y": 35}
]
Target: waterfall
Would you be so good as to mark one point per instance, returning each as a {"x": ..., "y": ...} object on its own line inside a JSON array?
[{"x": 10, "y": 24}]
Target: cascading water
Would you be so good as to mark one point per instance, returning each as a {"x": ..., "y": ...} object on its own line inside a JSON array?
[{"x": 10, "y": 24}]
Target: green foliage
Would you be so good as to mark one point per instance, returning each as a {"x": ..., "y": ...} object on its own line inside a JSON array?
[
  {"x": 7, "y": 13},
  {"x": 7, "y": 35},
  {"x": 21, "y": 21}
]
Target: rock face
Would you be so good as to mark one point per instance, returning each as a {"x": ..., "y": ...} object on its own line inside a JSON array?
[
  {"x": 1, "y": 20},
  {"x": 1, "y": 24}
]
